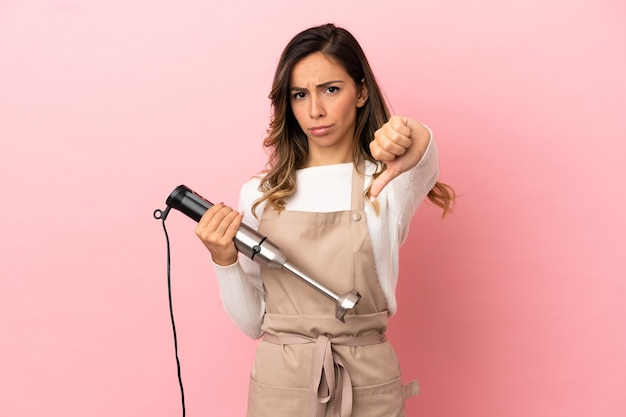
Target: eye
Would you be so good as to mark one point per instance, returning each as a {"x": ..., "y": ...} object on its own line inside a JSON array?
[
  {"x": 332, "y": 89},
  {"x": 298, "y": 95}
]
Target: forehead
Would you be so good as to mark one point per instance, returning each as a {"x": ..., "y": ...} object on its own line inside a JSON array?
[{"x": 316, "y": 68}]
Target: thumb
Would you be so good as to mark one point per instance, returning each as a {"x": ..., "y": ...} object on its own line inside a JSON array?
[{"x": 381, "y": 181}]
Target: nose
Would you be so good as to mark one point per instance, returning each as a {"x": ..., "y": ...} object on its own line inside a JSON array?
[{"x": 317, "y": 107}]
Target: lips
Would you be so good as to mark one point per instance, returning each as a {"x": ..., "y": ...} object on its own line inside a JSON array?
[{"x": 320, "y": 130}]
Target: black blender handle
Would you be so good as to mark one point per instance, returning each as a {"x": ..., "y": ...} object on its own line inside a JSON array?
[{"x": 188, "y": 202}]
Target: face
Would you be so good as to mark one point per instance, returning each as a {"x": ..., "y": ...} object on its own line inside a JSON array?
[{"x": 324, "y": 99}]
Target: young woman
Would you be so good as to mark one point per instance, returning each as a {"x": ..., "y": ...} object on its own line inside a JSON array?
[{"x": 343, "y": 181}]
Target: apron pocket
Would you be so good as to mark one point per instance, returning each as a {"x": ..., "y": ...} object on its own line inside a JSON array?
[
  {"x": 272, "y": 401},
  {"x": 379, "y": 400}
]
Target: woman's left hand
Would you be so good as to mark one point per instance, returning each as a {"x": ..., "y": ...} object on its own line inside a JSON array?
[{"x": 400, "y": 144}]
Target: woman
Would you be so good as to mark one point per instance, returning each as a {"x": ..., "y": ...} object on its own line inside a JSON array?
[{"x": 343, "y": 181}]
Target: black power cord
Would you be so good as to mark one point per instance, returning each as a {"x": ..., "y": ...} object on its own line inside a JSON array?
[{"x": 161, "y": 215}]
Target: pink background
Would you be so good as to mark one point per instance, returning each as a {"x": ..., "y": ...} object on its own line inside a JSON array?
[{"x": 514, "y": 306}]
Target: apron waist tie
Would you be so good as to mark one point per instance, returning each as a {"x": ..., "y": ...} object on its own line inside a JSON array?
[{"x": 325, "y": 364}]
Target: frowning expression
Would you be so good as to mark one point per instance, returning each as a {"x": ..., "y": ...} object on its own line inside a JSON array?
[{"x": 324, "y": 100}]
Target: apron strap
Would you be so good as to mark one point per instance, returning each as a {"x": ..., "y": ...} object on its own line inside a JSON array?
[
  {"x": 325, "y": 364},
  {"x": 358, "y": 182},
  {"x": 410, "y": 389}
]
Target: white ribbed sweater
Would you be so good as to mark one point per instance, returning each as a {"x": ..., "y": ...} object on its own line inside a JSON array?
[{"x": 328, "y": 189}]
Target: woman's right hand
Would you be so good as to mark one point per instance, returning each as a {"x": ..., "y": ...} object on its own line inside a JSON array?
[{"x": 217, "y": 229}]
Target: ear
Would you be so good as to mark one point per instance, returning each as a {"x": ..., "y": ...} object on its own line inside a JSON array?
[{"x": 361, "y": 94}]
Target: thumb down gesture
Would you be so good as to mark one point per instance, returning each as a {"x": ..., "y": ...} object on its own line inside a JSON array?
[{"x": 400, "y": 144}]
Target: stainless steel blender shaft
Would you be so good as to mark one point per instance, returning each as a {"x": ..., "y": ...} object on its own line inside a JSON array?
[
  {"x": 343, "y": 302},
  {"x": 256, "y": 246}
]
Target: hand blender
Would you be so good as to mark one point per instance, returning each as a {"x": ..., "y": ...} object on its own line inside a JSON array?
[{"x": 255, "y": 246}]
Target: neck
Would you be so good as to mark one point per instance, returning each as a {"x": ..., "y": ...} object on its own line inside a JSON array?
[{"x": 328, "y": 156}]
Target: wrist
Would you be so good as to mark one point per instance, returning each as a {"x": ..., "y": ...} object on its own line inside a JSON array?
[{"x": 224, "y": 262}]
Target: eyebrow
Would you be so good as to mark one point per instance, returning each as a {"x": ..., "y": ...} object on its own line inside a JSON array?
[{"x": 322, "y": 85}]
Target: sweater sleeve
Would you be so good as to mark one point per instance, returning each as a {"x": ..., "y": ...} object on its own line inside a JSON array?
[
  {"x": 241, "y": 288},
  {"x": 389, "y": 226},
  {"x": 410, "y": 188}
]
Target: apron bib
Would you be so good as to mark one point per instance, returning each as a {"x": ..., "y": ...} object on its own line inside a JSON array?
[{"x": 309, "y": 363}]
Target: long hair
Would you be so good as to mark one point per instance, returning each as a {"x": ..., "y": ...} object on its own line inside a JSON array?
[{"x": 287, "y": 143}]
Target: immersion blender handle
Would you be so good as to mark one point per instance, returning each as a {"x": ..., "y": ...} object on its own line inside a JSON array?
[
  {"x": 188, "y": 202},
  {"x": 247, "y": 240}
]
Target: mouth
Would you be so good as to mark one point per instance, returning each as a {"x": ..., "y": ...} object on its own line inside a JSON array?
[{"x": 320, "y": 130}]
